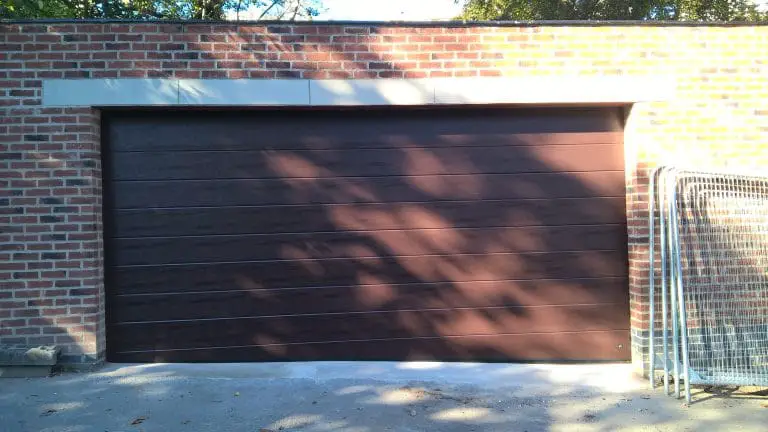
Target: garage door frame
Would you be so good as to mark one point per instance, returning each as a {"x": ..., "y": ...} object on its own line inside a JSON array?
[{"x": 108, "y": 204}]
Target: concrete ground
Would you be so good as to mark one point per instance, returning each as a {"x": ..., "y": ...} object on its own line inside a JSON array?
[{"x": 364, "y": 396}]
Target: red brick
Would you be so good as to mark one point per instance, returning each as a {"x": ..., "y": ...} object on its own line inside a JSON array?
[
  {"x": 26, "y": 313},
  {"x": 261, "y": 74},
  {"x": 12, "y": 323},
  {"x": 131, "y": 55}
]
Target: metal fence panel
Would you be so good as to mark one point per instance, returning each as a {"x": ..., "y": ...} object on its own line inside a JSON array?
[{"x": 713, "y": 248}]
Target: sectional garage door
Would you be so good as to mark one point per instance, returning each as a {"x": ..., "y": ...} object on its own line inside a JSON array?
[{"x": 451, "y": 234}]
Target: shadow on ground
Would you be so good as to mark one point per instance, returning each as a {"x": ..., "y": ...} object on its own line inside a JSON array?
[{"x": 364, "y": 396}]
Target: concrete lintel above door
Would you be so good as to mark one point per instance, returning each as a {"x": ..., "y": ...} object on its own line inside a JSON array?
[{"x": 393, "y": 92}]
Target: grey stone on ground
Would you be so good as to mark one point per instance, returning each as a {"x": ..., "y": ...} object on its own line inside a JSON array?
[
  {"x": 23, "y": 355},
  {"x": 21, "y": 361}
]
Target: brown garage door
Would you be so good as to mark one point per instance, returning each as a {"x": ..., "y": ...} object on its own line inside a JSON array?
[{"x": 482, "y": 234}]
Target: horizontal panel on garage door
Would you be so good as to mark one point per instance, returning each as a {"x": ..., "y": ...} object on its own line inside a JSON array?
[
  {"x": 346, "y": 244},
  {"x": 573, "y": 346},
  {"x": 378, "y": 128},
  {"x": 353, "y": 271},
  {"x": 180, "y": 305},
  {"x": 415, "y": 161},
  {"x": 217, "y": 193},
  {"x": 293, "y": 234},
  {"x": 365, "y": 325},
  {"x": 197, "y": 221}
]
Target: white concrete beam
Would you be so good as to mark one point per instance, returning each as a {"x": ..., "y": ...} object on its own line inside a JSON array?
[
  {"x": 109, "y": 92},
  {"x": 244, "y": 92},
  {"x": 371, "y": 92},
  {"x": 392, "y": 92}
]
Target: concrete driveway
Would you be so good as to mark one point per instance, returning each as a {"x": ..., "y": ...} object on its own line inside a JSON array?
[{"x": 363, "y": 396}]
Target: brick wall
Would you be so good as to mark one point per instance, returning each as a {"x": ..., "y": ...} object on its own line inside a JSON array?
[{"x": 50, "y": 241}]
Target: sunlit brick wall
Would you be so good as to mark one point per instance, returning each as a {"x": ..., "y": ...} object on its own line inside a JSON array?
[{"x": 51, "y": 253}]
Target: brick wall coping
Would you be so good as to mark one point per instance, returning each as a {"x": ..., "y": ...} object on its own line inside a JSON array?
[
  {"x": 310, "y": 92},
  {"x": 541, "y": 23}
]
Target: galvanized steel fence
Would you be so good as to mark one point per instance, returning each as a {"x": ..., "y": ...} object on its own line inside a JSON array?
[{"x": 708, "y": 278}]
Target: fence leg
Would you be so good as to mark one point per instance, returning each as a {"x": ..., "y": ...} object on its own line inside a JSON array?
[
  {"x": 651, "y": 277},
  {"x": 681, "y": 296},
  {"x": 672, "y": 296},
  {"x": 664, "y": 298}
]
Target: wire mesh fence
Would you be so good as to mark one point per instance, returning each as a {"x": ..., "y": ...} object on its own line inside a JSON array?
[{"x": 713, "y": 300}]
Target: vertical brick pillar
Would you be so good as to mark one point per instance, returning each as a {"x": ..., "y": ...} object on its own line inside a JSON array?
[
  {"x": 635, "y": 140},
  {"x": 51, "y": 258}
]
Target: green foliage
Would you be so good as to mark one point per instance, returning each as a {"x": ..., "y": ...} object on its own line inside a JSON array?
[
  {"x": 673, "y": 10},
  {"x": 45, "y": 8},
  {"x": 159, "y": 9}
]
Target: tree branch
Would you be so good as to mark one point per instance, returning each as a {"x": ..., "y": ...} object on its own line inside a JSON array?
[{"x": 274, "y": 3}]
